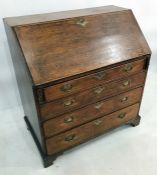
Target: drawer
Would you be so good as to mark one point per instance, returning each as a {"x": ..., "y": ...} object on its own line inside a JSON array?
[
  {"x": 91, "y": 129},
  {"x": 78, "y": 117},
  {"x": 87, "y": 82},
  {"x": 61, "y": 106}
]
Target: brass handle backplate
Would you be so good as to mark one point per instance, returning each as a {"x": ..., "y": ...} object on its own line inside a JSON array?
[
  {"x": 124, "y": 99},
  {"x": 69, "y": 119},
  {"x": 98, "y": 90},
  {"x": 82, "y": 22},
  {"x": 68, "y": 102},
  {"x": 100, "y": 75},
  {"x": 97, "y": 122},
  {"x": 98, "y": 105},
  {"x": 122, "y": 115},
  {"x": 127, "y": 67},
  {"x": 66, "y": 87},
  {"x": 126, "y": 83},
  {"x": 69, "y": 137}
]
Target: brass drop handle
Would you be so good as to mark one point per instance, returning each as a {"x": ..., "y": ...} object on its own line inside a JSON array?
[
  {"x": 124, "y": 99},
  {"x": 98, "y": 90},
  {"x": 68, "y": 102},
  {"x": 82, "y": 22},
  {"x": 127, "y": 67},
  {"x": 126, "y": 83},
  {"x": 100, "y": 75},
  {"x": 122, "y": 115},
  {"x": 97, "y": 122},
  {"x": 98, "y": 105},
  {"x": 69, "y": 119},
  {"x": 66, "y": 87},
  {"x": 69, "y": 137}
]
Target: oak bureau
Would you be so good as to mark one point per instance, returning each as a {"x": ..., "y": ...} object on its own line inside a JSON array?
[{"x": 80, "y": 74}]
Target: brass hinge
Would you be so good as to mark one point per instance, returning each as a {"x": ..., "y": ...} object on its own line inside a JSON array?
[{"x": 41, "y": 96}]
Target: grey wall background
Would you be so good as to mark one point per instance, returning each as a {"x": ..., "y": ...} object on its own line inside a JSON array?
[{"x": 144, "y": 10}]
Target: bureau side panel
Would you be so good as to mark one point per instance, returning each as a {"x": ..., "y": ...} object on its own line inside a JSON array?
[{"x": 24, "y": 82}]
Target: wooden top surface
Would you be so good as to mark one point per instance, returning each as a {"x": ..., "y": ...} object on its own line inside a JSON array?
[
  {"x": 39, "y": 18},
  {"x": 62, "y": 48}
]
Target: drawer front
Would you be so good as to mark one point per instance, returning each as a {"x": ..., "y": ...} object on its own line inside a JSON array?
[
  {"x": 84, "y": 98},
  {"x": 91, "y": 129},
  {"x": 73, "y": 86},
  {"x": 91, "y": 112}
]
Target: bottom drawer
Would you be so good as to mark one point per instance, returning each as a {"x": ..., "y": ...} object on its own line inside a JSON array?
[{"x": 91, "y": 129}]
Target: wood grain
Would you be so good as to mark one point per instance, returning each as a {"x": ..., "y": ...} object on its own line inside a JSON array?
[
  {"x": 63, "y": 48},
  {"x": 74, "y": 75},
  {"x": 57, "y": 107},
  {"x": 87, "y": 82},
  {"x": 89, "y": 130},
  {"x": 91, "y": 112}
]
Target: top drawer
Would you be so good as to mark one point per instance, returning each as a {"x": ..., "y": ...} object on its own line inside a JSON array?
[{"x": 86, "y": 82}]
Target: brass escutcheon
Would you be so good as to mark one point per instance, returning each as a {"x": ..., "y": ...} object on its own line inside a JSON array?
[
  {"x": 66, "y": 87},
  {"x": 70, "y": 137},
  {"x": 127, "y": 67},
  {"x": 98, "y": 105},
  {"x": 124, "y": 99},
  {"x": 68, "y": 102},
  {"x": 82, "y": 22},
  {"x": 122, "y": 115},
  {"x": 97, "y": 122},
  {"x": 126, "y": 83},
  {"x": 68, "y": 120},
  {"x": 100, "y": 75},
  {"x": 98, "y": 90}
]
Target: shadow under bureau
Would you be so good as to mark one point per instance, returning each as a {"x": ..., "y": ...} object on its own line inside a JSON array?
[{"x": 80, "y": 74}]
